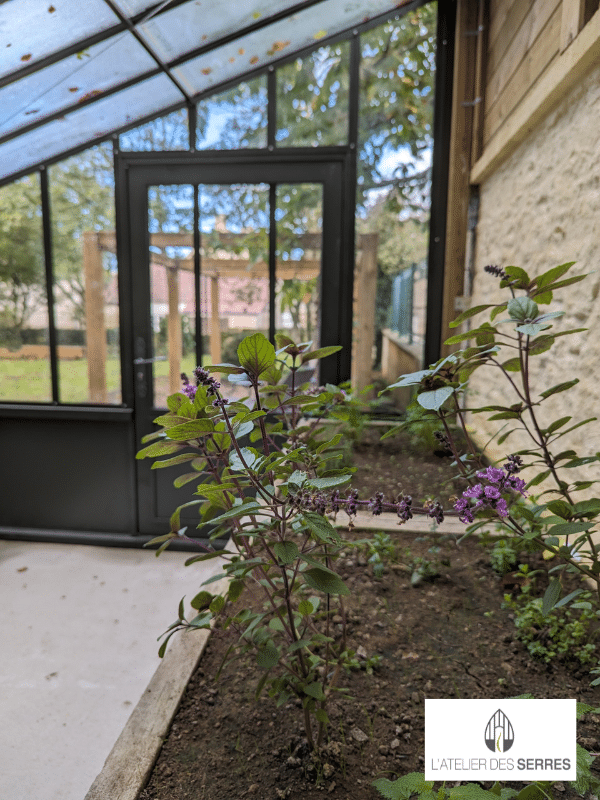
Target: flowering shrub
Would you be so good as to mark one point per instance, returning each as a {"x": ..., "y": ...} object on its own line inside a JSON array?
[{"x": 272, "y": 499}]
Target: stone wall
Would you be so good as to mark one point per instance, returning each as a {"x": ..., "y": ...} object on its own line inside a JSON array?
[{"x": 541, "y": 208}]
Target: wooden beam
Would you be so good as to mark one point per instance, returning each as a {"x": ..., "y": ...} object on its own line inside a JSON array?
[
  {"x": 365, "y": 294},
  {"x": 215, "y": 322},
  {"x": 561, "y": 77},
  {"x": 461, "y": 138},
  {"x": 573, "y": 12},
  {"x": 174, "y": 331},
  {"x": 95, "y": 332},
  {"x": 242, "y": 268}
]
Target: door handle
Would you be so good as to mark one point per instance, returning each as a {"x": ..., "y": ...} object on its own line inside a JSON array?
[{"x": 149, "y": 360}]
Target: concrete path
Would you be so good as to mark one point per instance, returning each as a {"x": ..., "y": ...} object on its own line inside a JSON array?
[{"x": 78, "y": 648}]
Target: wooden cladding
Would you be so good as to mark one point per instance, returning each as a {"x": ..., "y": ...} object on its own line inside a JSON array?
[
  {"x": 524, "y": 40},
  {"x": 526, "y": 37}
]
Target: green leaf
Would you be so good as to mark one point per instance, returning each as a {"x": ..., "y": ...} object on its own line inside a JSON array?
[
  {"x": 191, "y": 430},
  {"x": 435, "y": 399},
  {"x": 552, "y": 275},
  {"x": 181, "y": 480},
  {"x": 589, "y": 507},
  {"x": 321, "y": 716},
  {"x": 541, "y": 344},
  {"x": 323, "y": 581},
  {"x": 541, "y": 476},
  {"x": 411, "y": 379},
  {"x": 306, "y": 608},
  {"x": 217, "y": 604},
  {"x": 568, "y": 282},
  {"x": 159, "y": 449},
  {"x": 403, "y": 787},
  {"x": 322, "y": 352},
  {"x": 560, "y": 387},
  {"x": 558, "y": 423},
  {"x": 286, "y": 552},
  {"x": 250, "y": 456},
  {"x": 226, "y": 369},
  {"x": 543, "y": 298},
  {"x": 518, "y": 274},
  {"x": 314, "y": 690},
  {"x": 551, "y": 596},
  {"x": 256, "y": 354},
  {"x": 330, "y": 443},
  {"x": 498, "y": 310},
  {"x": 321, "y": 527},
  {"x": 513, "y": 364},
  {"x": 471, "y": 312},
  {"x": 522, "y": 309},
  {"x": 561, "y": 508},
  {"x": 568, "y": 598},
  {"x": 472, "y": 334},
  {"x": 169, "y": 420},
  {"x": 202, "y": 600},
  {"x": 207, "y": 556},
  {"x": 531, "y": 328},
  {"x": 267, "y": 655},
  {"x": 240, "y": 510},
  {"x": 578, "y": 425},
  {"x": 328, "y": 483},
  {"x": 235, "y": 589},
  {"x": 569, "y": 528},
  {"x": 171, "y": 462}
]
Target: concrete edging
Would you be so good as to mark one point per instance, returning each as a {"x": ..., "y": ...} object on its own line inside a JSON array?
[{"x": 130, "y": 762}]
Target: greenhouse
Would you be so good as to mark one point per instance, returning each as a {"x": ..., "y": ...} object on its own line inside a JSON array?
[{"x": 173, "y": 178}]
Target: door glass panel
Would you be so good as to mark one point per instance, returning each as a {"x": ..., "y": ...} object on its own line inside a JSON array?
[
  {"x": 172, "y": 289},
  {"x": 299, "y": 219},
  {"x": 234, "y": 269}
]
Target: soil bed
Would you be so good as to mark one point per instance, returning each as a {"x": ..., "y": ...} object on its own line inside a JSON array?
[{"x": 446, "y": 637}]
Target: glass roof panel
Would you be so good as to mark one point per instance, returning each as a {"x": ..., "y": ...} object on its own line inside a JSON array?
[
  {"x": 87, "y": 123},
  {"x": 33, "y": 29},
  {"x": 72, "y": 80},
  {"x": 132, "y": 7},
  {"x": 267, "y": 44},
  {"x": 194, "y": 24}
]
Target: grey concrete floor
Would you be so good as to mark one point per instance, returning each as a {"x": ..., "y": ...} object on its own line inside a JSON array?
[{"x": 78, "y": 647}]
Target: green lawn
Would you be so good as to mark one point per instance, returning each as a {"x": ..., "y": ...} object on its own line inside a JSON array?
[{"x": 25, "y": 381}]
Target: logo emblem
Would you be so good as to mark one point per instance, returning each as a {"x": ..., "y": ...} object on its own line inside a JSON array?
[{"x": 499, "y": 733}]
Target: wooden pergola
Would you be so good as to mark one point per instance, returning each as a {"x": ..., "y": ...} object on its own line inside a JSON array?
[{"x": 213, "y": 268}]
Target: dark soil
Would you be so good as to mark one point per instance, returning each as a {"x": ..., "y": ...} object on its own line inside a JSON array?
[
  {"x": 402, "y": 464},
  {"x": 448, "y": 637}
]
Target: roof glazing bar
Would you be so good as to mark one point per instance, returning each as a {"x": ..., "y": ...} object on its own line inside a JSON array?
[{"x": 133, "y": 30}]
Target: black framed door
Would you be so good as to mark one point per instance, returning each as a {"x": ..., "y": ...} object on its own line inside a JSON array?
[{"x": 217, "y": 250}]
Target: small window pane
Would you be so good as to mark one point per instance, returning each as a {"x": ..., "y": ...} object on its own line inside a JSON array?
[
  {"x": 235, "y": 119},
  {"x": 299, "y": 218},
  {"x": 86, "y": 299},
  {"x": 24, "y": 351},
  {"x": 312, "y": 99},
  {"x": 170, "y": 132}
]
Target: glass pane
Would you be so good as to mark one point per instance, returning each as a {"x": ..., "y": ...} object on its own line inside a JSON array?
[
  {"x": 87, "y": 123},
  {"x": 170, "y": 132},
  {"x": 234, "y": 119},
  {"x": 284, "y": 37},
  {"x": 234, "y": 269},
  {"x": 24, "y": 351},
  {"x": 184, "y": 28},
  {"x": 397, "y": 73},
  {"x": 72, "y": 80},
  {"x": 86, "y": 299},
  {"x": 312, "y": 98},
  {"x": 172, "y": 292},
  {"x": 299, "y": 218},
  {"x": 32, "y": 30}
]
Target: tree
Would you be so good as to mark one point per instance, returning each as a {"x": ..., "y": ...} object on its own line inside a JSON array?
[{"x": 22, "y": 275}]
